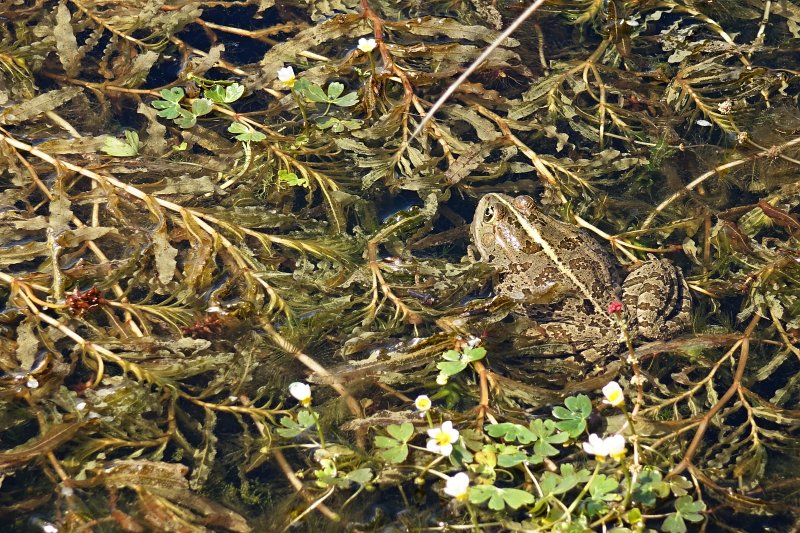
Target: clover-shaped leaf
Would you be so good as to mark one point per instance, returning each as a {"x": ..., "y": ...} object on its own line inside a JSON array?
[
  {"x": 449, "y": 369},
  {"x": 337, "y": 125},
  {"x": 362, "y": 476},
  {"x": 335, "y": 89},
  {"x": 311, "y": 91},
  {"x": 395, "y": 448},
  {"x": 508, "y": 456},
  {"x": 245, "y": 133},
  {"x": 473, "y": 354},
  {"x": 170, "y": 106},
  {"x": 451, "y": 355},
  {"x": 290, "y": 428},
  {"x": 290, "y": 178},
  {"x": 572, "y": 418},
  {"x": 348, "y": 100},
  {"x": 402, "y": 432},
  {"x": 679, "y": 485},
  {"x": 511, "y": 432},
  {"x": 602, "y": 487},
  {"x": 201, "y": 106},
  {"x": 498, "y": 498},
  {"x": 685, "y": 509},
  {"x": 314, "y": 93},
  {"x": 224, "y": 94},
  {"x": 566, "y": 480},
  {"x": 649, "y": 487},
  {"x": 174, "y": 94},
  {"x": 185, "y": 119},
  {"x": 545, "y": 436}
]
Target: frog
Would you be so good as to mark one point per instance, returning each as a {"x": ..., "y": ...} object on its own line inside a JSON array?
[{"x": 563, "y": 280}]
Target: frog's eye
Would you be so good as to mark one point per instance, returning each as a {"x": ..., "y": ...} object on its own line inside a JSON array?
[{"x": 488, "y": 214}]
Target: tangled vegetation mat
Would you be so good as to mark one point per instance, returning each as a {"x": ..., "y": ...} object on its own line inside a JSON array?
[{"x": 237, "y": 293}]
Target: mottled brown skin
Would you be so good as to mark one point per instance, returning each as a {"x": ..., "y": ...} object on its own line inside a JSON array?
[{"x": 564, "y": 280}]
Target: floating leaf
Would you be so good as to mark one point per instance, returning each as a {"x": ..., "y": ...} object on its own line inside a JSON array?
[
  {"x": 224, "y": 94},
  {"x": 119, "y": 148},
  {"x": 500, "y": 498}
]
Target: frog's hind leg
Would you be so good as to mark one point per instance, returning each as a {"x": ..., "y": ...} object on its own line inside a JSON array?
[{"x": 657, "y": 297}]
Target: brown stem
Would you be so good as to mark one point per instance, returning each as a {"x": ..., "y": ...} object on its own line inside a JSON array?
[{"x": 686, "y": 462}]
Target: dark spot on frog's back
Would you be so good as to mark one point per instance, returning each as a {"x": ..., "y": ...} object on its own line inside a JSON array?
[{"x": 571, "y": 244}]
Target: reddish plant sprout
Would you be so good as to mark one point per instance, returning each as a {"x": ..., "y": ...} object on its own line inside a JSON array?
[
  {"x": 208, "y": 327},
  {"x": 615, "y": 307},
  {"x": 79, "y": 303}
]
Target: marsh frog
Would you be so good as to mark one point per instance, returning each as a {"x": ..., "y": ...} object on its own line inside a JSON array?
[{"x": 564, "y": 281}]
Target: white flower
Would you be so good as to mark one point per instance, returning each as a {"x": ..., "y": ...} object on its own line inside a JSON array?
[
  {"x": 301, "y": 392},
  {"x": 613, "y": 446},
  {"x": 366, "y": 45},
  {"x": 287, "y": 77},
  {"x": 457, "y": 486},
  {"x": 613, "y": 393},
  {"x": 422, "y": 403},
  {"x": 442, "y": 379},
  {"x": 442, "y": 439},
  {"x": 703, "y": 122}
]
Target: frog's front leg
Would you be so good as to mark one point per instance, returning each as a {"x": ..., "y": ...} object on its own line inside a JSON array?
[{"x": 657, "y": 297}]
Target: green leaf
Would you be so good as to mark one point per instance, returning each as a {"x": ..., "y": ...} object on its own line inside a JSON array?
[
  {"x": 215, "y": 93},
  {"x": 674, "y": 523},
  {"x": 313, "y": 92},
  {"x": 499, "y": 498},
  {"x": 603, "y": 487},
  {"x": 474, "y": 354},
  {"x": 245, "y": 133},
  {"x": 350, "y": 99},
  {"x": 233, "y": 92},
  {"x": 573, "y": 417},
  {"x": 382, "y": 441},
  {"x": 650, "y": 487},
  {"x": 394, "y": 455},
  {"x": 451, "y": 369},
  {"x": 509, "y": 456},
  {"x": 237, "y": 127},
  {"x": 185, "y": 119},
  {"x": 119, "y": 148},
  {"x": 546, "y": 436},
  {"x": 690, "y": 509},
  {"x": 290, "y": 178},
  {"x": 290, "y": 428},
  {"x": 174, "y": 95},
  {"x": 402, "y": 432},
  {"x": 224, "y": 94},
  {"x": 362, "y": 476},
  {"x": 451, "y": 355},
  {"x": 168, "y": 109},
  {"x": 201, "y": 106},
  {"x": 679, "y": 485},
  {"x": 511, "y": 432},
  {"x": 306, "y": 418},
  {"x": 334, "y": 90}
]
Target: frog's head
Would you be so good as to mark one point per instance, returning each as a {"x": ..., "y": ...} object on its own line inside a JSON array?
[{"x": 497, "y": 231}]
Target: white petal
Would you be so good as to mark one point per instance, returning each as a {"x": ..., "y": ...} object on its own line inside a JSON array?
[{"x": 457, "y": 485}]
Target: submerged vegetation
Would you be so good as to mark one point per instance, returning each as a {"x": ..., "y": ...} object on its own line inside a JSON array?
[{"x": 235, "y": 288}]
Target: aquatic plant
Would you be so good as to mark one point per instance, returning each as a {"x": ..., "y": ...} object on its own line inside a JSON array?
[{"x": 203, "y": 203}]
